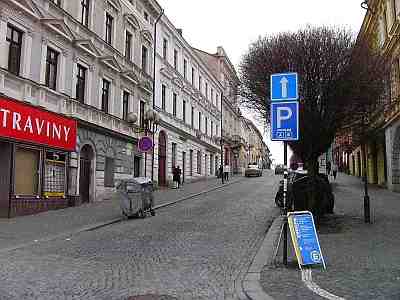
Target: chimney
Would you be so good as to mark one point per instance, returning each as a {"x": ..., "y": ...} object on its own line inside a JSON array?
[{"x": 179, "y": 31}]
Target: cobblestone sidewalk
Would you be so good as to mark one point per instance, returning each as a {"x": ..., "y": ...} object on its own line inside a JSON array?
[
  {"x": 363, "y": 260},
  {"x": 27, "y": 229}
]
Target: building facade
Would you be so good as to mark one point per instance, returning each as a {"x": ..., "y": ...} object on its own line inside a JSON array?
[
  {"x": 188, "y": 98},
  {"x": 88, "y": 62}
]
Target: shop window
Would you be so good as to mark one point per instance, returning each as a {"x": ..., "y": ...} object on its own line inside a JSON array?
[
  {"x": 27, "y": 166},
  {"x": 109, "y": 172},
  {"x": 54, "y": 174}
]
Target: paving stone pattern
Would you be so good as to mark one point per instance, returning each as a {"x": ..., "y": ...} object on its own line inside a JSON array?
[
  {"x": 193, "y": 250},
  {"x": 20, "y": 230}
]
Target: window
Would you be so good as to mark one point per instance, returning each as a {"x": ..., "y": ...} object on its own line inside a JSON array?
[
  {"x": 163, "y": 90},
  {"x": 165, "y": 48},
  {"x": 212, "y": 128},
  {"x": 109, "y": 172},
  {"x": 184, "y": 111},
  {"x": 51, "y": 68},
  {"x": 185, "y": 68},
  {"x": 176, "y": 59},
  {"x": 191, "y": 163},
  {"x": 54, "y": 174},
  {"x": 193, "y": 76},
  {"x": 212, "y": 96},
  {"x": 217, "y": 130},
  {"x": 206, "y": 90},
  {"x": 192, "y": 117},
  {"x": 144, "y": 59},
  {"x": 206, "y": 126},
  {"x": 80, "y": 83},
  {"x": 198, "y": 162},
  {"x": 173, "y": 152},
  {"x": 14, "y": 38},
  {"x": 85, "y": 12},
  {"x": 199, "y": 83},
  {"x": 146, "y": 16},
  {"x": 109, "y": 28},
  {"x": 174, "y": 99},
  {"x": 105, "y": 95},
  {"x": 136, "y": 166},
  {"x": 199, "y": 120},
  {"x": 141, "y": 113},
  {"x": 128, "y": 45},
  {"x": 27, "y": 166},
  {"x": 125, "y": 105}
]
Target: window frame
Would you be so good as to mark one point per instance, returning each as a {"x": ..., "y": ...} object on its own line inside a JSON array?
[
  {"x": 85, "y": 11},
  {"x": 125, "y": 104},
  {"x": 144, "y": 58},
  {"x": 184, "y": 111},
  {"x": 163, "y": 96},
  {"x": 18, "y": 44},
  {"x": 128, "y": 45},
  {"x": 109, "y": 26},
  {"x": 79, "y": 78},
  {"x": 165, "y": 49},
  {"x": 105, "y": 95},
  {"x": 51, "y": 68},
  {"x": 142, "y": 108},
  {"x": 174, "y": 104}
]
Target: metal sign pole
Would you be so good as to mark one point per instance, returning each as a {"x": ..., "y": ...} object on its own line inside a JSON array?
[{"x": 285, "y": 208}]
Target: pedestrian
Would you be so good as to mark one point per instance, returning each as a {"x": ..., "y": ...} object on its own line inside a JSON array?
[
  {"x": 328, "y": 168},
  {"x": 175, "y": 176},
  {"x": 227, "y": 169},
  {"x": 178, "y": 174},
  {"x": 220, "y": 172},
  {"x": 334, "y": 171}
]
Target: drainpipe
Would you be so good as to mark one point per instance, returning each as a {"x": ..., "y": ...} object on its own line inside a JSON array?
[{"x": 154, "y": 85}]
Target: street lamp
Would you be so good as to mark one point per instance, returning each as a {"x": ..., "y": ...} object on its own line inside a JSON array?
[{"x": 152, "y": 120}]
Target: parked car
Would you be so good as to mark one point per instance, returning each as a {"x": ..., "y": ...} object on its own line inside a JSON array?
[
  {"x": 253, "y": 170},
  {"x": 279, "y": 169}
]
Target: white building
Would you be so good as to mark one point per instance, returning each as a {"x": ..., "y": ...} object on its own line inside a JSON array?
[{"x": 188, "y": 98}]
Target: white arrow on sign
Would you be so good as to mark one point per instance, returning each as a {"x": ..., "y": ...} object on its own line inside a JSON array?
[{"x": 284, "y": 83}]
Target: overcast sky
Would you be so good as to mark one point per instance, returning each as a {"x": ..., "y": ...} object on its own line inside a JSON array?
[{"x": 235, "y": 24}]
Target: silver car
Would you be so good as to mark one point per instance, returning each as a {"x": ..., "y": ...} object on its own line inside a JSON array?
[{"x": 253, "y": 170}]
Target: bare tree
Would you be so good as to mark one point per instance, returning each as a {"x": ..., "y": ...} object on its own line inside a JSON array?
[{"x": 340, "y": 79}]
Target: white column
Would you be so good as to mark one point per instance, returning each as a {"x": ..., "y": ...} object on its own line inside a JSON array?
[
  {"x": 3, "y": 42},
  {"x": 43, "y": 61},
  {"x": 26, "y": 71},
  {"x": 62, "y": 73},
  {"x": 90, "y": 85}
]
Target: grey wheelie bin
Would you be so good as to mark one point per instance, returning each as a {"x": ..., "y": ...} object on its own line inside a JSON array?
[{"x": 136, "y": 197}]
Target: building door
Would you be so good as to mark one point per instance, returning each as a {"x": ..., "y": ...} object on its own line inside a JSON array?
[
  {"x": 85, "y": 173},
  {"x": 183, "y": 166},
  {"x": 162, "y": 158},
  {"x": 5, "y": 178}
]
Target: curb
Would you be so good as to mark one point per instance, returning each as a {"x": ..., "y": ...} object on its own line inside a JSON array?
[
  {"x": 265, "y": 255},
  {"x": 95, "y": 226}
]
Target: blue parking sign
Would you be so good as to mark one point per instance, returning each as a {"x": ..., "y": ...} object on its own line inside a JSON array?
[
  {"x": 285, "y": 121},
  {"x": 284, "y": 87}
]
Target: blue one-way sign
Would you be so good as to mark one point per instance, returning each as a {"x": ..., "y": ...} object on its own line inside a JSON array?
[
  {"x": 285, "y": 121},
  {"x": 284, "y": 87}
]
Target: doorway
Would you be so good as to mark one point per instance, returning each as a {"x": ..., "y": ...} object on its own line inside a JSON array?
[
  {"x": 85, "y": 173},
  {"x": 5, "y": 178},
  {"x": 162, "y": 158}
]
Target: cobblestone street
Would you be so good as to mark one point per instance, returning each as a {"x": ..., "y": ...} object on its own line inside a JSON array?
[{"x": 193, "y": 250}]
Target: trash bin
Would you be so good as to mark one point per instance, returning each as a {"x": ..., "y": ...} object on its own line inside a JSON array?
[{"x": 136, "y": 197}]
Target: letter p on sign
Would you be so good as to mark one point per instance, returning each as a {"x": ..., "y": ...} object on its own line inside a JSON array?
[{"x": 283, "y": 114}]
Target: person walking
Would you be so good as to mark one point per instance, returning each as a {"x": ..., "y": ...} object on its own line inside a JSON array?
[
  {"x": 175, "y": 176},
  {"x": 328, "y": 168},
  {"x": 227, "y": 169},
  {"x": 334, "y": 171},
  {"x": 178, "y": 174}
]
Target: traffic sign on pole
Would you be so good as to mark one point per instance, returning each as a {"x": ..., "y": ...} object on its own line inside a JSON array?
[
  {"x": 285, "y": 121},
  {"x": 284, "y": 87}
]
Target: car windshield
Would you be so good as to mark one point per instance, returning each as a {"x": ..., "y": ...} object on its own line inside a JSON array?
[{"x": 253, "y": 167}]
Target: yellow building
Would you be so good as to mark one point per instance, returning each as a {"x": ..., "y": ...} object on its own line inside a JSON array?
[{"x": 381, "y": 28}]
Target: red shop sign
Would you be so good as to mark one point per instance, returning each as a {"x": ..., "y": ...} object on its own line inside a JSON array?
[{"x": 26, "y": 123}]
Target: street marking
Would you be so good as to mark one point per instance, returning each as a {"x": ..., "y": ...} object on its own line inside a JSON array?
[{"x": 306, "y": 277}]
